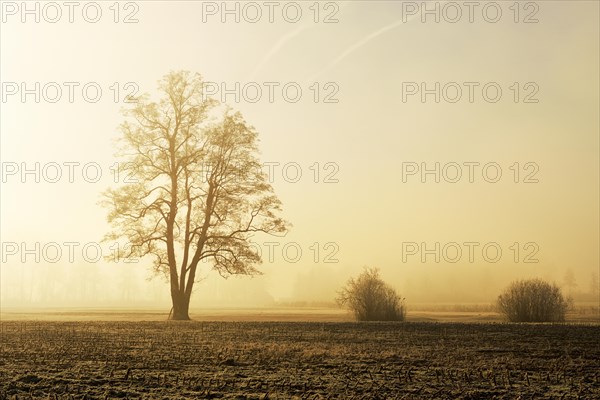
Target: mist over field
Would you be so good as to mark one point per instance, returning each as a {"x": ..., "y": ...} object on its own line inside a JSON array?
[
  {"x": 377, "y": 162},
  {"x": 299, "y": 200},
  {"x": 129, "y": 286}
]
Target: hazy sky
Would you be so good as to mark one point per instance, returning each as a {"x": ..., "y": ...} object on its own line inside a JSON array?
[{"x": 364, "y": 208}]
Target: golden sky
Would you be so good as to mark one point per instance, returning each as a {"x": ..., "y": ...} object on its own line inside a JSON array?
[{"x": 367, "y": 66}]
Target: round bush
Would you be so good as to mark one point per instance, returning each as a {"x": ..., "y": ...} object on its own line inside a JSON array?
[
  {"x": 532, "y": 300},
  {"x": 371, "y": 299}
]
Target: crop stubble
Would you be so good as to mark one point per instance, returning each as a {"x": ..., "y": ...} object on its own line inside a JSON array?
[{"x": 305, "y": 360}]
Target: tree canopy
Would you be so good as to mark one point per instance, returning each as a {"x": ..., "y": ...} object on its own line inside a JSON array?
[{"x": 199, "y": 193}]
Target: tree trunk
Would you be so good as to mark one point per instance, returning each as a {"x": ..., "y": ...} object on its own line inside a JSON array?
[{"x": 181, "y": 306}]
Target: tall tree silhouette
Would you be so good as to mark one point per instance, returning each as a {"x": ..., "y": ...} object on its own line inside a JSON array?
[{"x": 200, "y": 192}]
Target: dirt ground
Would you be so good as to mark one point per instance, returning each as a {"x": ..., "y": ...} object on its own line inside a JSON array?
[{"x": 303, "y": 360}]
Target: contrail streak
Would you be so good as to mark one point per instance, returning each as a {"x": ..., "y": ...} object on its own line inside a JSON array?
[
  {"x": 359, "y": 44},
  {"x": 281, "y": 43},
  {"x": 276, "y": 47}
]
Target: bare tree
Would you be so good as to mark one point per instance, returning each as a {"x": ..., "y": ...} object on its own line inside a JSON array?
[
  {"x": 570, "y": 281},
  {"x": 200, "y": 192},
  {"x": 594, "y": 284},
  {"x": 371, "y": 299}
]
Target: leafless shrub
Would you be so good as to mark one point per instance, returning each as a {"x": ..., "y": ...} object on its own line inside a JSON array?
[
  {"x": 533, "y": 300},
  {"x": 371, "y": 299}
]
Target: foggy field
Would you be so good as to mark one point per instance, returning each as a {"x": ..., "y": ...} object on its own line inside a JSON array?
[
  {"x": 300, "y": 200},
  {"x": 585, "y": 313},
  {"x": 280, "y": 360}
]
